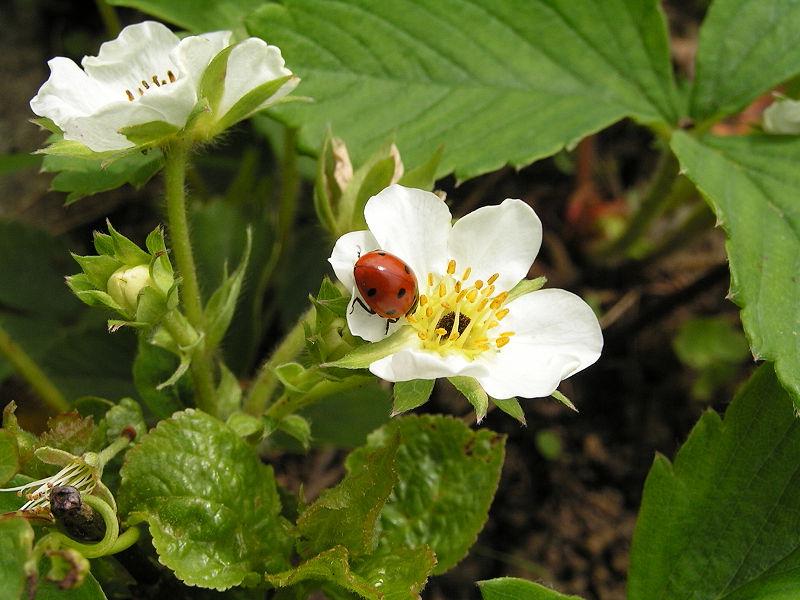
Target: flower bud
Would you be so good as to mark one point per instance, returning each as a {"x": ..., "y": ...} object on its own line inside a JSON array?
[{"x": 126, "y": 283}]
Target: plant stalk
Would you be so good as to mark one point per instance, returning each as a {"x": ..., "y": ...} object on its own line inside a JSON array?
[
  {"x": 177, "y": 161},
  {"x": 265, "y": 383},
  {"x": 290, "y": 404},
  {"x": 29, "y": 370}
]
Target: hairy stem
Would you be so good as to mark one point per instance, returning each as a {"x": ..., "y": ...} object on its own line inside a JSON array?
[
  {"x": 201, "y": 368},
  {"x": 27, "y": 368},
  {"x": 265, "y": 383},
  {"x": 290, "y": 404},
  {"x": 177, "y": 159}
]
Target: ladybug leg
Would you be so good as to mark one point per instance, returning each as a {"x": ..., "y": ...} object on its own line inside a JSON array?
[
  {"x": 388, "y": 321},
  {"x": 359, "y": 301}
]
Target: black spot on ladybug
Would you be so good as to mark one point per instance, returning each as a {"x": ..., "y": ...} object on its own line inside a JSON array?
[
  {"x": 401, "y": 292},
  {"x": 407, "y": 269},
  {"x": 391, "y": 312},
  {"x": 371, "y": 292},
  {"x": 381, "y": 253}
]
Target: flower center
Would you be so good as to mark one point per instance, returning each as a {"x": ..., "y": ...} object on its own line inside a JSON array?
[
  {"x": 456, "y": 316},
  {"x": 154, "y": 80}
]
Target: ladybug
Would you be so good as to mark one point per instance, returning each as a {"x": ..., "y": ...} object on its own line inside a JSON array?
[{"x": 387, "y": 284}]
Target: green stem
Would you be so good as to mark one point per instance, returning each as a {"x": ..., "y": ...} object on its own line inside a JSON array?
[
  {"x": 177, "y": 159},
  {"x": 57, "y": 539},
  {"x": 654, "y": 202},
  {"x": 290, "y": 404},
  {"x": 265, "y": 383},
  {"x": 201, "y": 367},
  {"x": 27, "y": 368},
  {"x": 110, "y": 451},
  {"x": 109, "y": 17}
]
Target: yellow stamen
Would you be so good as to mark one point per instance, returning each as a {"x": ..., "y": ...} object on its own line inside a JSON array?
[
  {"x": 423, "y": 300},
  {"x": 451, "y": 267},
  {"x": 507, "y": 334},
  {"x": 466, "y": 274},
  {"x": 472, "y": 295},
  {"x": 482, "y": 304},
  {"x": 411, "y": 319},
  {"x": 458, "y": 286},
  {"x": 501, "y": 314},
  {"x": 429, "y": 312},
  {"x": 488, "y": 291},
  {"x": 501, "y": 341},
  {"x": 478, "y": 284},
  {"x": 493, "y": 278},
  {"x": 454, "y": 334},
  {"x": 430, "y": 279},
  {"x": 422, "y": 335},
  {"x": 440, "y": 331},
  {"x": 442, "y": 290}
]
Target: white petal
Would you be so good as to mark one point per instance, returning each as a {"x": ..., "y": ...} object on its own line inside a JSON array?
[
  {"x": 99, "y": 131},
  {"x": 346, "y": 252},
  {"x": 140, "y": 52},
  {"x": 194, "y": 53},
  {"x": 252, "y": 63},
  {"x": 502, "y": 239},
  {"x": 68, "y": 93},
  {"x": 556, "y": 335},
  {"x": 413, "y": 363},
  {"x": 366, "y": 325},
  {"x": 412, "y": 224},
  {"x": 173, "y": 102}
]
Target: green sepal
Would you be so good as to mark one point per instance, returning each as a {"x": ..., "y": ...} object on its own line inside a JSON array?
[
  {"x": 564, "y": 400},
  {"x": 408, "y": 395},
  {"x": 327, "y": 192},
  {"x": 250, "y": 102},
  {"x": 212, "y": 84},
  {"x": 506, "y": 588},
  {"x": 526, "y": 286},
  {"x": 47, "y": 124},
  {"x": 9, "y": 456},
  {"x": 220, "y": 308},
  {"x": 93, "y": 297},
  {"x": 103, "y": 243},
  {"x": 297, "y": 427},
  {"x": 125, "y": 250},
  {"x": 511, "y": 407},
  {"x": 423, "y": 177},
  {"x": 363, "y": 356},
  {"x": 98, "y": 268},
  {"x": 473, "y": 392},
  {"x": 154, "y": 133}
]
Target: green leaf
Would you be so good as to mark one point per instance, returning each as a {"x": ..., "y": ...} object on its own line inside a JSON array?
[
  {"x": 16, "y": 538},
  {"x": 347, "y": 515},
  {"x": 447, "y": 476},
  {"x": 9, "y": 456},
  {"x": 742, "y": 53},
  {"x": 399, "y": 573},
  {"x": 220, "y": 307},
  {"x": 511, "y": 588},
  {"x": 89, "y": 590},
  {"x": 366, "y": 354},
  {"x": 720, "y": 522},
  {"x": 511, "y": 407},
  {"x": 752, "y": 184},
  {"x": 408, "y": 395},
  {"x": 85, "y": 176},
  {"x": 212, "y": 506},
  {"x": 12, "y": 163},
  {"x": 704, "y": 342},
  {"x": 198, "y": 16},
  {"x": 472, "y": 391},
  {"x": 495, "y": 82},
  {"x": 298, "y": 428},
  {"x": 229, "y": 392},
  {"x": 332, "y": 566}
]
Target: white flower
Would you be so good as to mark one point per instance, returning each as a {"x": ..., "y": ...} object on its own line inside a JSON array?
[
  {"x": 464, "y": 323},
  {"x": 148, "y": 74}
]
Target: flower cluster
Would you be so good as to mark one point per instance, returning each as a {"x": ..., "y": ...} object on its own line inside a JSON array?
[{"x": 471, "y": 318}]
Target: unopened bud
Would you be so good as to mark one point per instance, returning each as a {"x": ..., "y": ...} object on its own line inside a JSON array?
[{"x": 126, "y": 283}]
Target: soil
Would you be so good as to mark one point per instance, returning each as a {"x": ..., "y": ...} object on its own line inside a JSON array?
[{"x": 562, "y": 518}]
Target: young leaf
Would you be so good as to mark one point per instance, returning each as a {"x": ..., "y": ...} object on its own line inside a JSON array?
[
  {"x": 447, "y": 476},
  {"x": 152, "y": 366},
  {"x": 511, "y": 588},
  {"x": 400, "y": 573},
  {"x": 478, "y": 77},
  {"x": 16, "y": 538},
  {"x": 721, "y": 521},
  {"x": 212, "y": 506},
  {"x": 752, "y": 184},
  {"x": 220, "y": 307},
  {"x": 742, "y": 54},
  {"x": 472, "y": 391},
  {"x": 408, "y": 395},
  {"x": 347, "y": 514},
  {"x": 297, "y": 427}
]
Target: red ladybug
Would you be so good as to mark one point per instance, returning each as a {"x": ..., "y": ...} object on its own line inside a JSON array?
[{"x": 387, "y": 284}]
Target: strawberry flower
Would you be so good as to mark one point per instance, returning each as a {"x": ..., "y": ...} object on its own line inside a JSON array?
[
  {"x": 469, "y": 321},
  {"x": 149, "y": 75}
]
